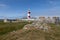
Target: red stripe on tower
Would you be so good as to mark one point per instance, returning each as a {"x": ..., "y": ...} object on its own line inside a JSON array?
[{"x": 28, "y": 15}]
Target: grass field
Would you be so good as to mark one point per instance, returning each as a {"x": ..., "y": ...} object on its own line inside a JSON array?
[{"x": 8, "y": 27}]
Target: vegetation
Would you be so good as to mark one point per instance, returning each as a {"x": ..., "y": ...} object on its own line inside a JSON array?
[
  {"x": 8, "y": 27},
  {"x": 6, "y": 32}
]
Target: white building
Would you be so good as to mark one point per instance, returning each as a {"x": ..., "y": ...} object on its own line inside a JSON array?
[{"x": 5, "y": 20}]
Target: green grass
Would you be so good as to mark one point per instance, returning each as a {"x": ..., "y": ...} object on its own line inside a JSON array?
[
  {"x": 8, "y": 27},
  {"x": 55, "y": 34},
  {"x": 29, "y": 34}
]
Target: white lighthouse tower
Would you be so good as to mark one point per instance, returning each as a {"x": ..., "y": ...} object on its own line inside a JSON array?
[{"x": 28, "y": 15}]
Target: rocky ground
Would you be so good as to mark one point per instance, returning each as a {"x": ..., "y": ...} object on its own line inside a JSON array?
[
  {"x": 34, "y": 31},
  {"x": 38, "y": 25}
]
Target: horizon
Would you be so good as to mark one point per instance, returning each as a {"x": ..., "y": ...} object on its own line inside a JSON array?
[{"x": 37, "y": 17}]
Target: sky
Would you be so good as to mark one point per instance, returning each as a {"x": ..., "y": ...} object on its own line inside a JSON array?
[{"x": 19, "y": 8}]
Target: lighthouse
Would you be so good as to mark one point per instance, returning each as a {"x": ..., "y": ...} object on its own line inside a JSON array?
[{"x": 28, "y": 15}]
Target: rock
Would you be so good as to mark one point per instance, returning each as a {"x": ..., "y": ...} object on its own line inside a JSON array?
[{"x": 37, "y": 25}]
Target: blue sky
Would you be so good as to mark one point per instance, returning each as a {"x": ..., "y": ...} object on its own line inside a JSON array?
[{"x": 19, "y": 8}]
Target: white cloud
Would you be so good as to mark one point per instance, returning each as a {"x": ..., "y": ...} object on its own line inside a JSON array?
[
  {"x": 3, "y": 5},
  {"x": 52, "y": 2}
]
